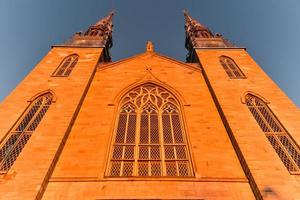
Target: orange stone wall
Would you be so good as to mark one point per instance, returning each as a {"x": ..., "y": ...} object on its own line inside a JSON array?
[
  {"x": 67, "y": 155},
  {"x": 29, "y": 174},
  {"x": 80, "y": 171},
  {"x": 272, "y": 178}
]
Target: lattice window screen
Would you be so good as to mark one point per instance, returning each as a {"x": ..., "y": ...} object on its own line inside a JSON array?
[
  {"x": 123, "y": 149},
  {"x": 157, "y": 145},
  {"x": 177, "y": 163},
  {"x": 231, "y": 68},
  {"x": 66, "y": 66},
  {"x": 283, "y": 144},
  {"x": 149, "y": 153},
  {"x": 13, "y": 145}
]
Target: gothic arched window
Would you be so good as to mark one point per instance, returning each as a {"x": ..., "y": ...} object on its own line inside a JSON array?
[
  {"x": 231, "y": 68},
  {"x": 149, "y": 138},
  {"x": 19, "y": 135},
  {"x": 287, "y": 150},
  {"x": 66, "y": 66}
]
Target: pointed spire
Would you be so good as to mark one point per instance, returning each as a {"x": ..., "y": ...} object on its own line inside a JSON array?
[
  {"x": 149, "y": 46},
  {"x": 190, "y": 21},
  {"x": 199, "y": 36},
  {"x": 186, "y": 15},
  {"x": 106, "y": 20},
  {"x": 194, "y": 29},
  {"x": 97, "y": 35},
  {"x": 102, "y": 28}
]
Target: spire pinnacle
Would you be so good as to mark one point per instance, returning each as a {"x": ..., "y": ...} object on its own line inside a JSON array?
[
  {"x": 186, "y": 15},
  {"x": 189, "y": 20},
  {"x": 106, "y": 20},
  {"x": 149, "y": 46},
  {"x": 97, "y": 35},
  {"x": 199, "y": 36},
  {"x": 194, "y": 28}
]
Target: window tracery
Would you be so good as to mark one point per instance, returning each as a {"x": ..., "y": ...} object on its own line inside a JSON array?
[
  {"x": 285, "y": 147},
  {"x": 157, "y": 145},
  {"x": 231, "y": 68},
  {"x": 66, "y": 66},
  {"x": 19, "y": 135}
]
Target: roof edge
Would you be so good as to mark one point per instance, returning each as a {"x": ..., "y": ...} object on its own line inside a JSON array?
[{"x": 103, "y": 66}]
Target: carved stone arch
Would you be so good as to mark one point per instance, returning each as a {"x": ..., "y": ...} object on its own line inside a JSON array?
[
  {"x": 128, "y": 108},
  {"x": 69, "y": 55},
  {"x": 224, "y": 56},
  {"x": 73, "y": 54},
  {"x": 149, "y": 107},
  {"x": 227, "y": 57},
  {"x": 54, "y": 96},
  {"x": 243, "y": 97},
  {"x": 171, "y": 90},
  {"x": 170, "y": 108},
  {"x": 231, "y": 68},
  {"x": 67, "y": 65},
  {"x": 148, "y": 138}
]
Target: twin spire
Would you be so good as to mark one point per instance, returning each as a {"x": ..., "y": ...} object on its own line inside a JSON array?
[
  {"x": 194, "y": 29},
  {"x": 106, "y": 20},
  {"x": 100, "y": 35},
  {"x": 97, "y": 35},
  {"x": 199, "y": 36}
]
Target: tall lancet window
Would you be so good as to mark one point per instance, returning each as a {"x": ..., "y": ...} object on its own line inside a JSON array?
[
  {"x": 287, "y": 150},
  {"x": 231, "y": 68},
  {"x": 19, "y": 135},
  {"x": 66, "y": 66},
  {"x": 149, "y": 139}
]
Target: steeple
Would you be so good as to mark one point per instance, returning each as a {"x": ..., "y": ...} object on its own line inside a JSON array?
[
  {"x": 199, "y": 36},
  {"x": 195, "y": 29},
  {"x": 97, "y": 35},
  {"x": 102, "y": 29}
]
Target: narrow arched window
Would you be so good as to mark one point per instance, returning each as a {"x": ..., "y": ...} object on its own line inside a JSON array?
[
  {"x": 231, "y": 68},
  {"x": 122, "y": 160},
  {"x": 287, "y": 150},
  {"x": 149, "y": 139},
  {"x": 19, "y": 135},
  {"x": 66, "y": 66}
]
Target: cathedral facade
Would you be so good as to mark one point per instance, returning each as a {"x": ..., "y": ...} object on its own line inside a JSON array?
[{"x": 81, "y": 126}]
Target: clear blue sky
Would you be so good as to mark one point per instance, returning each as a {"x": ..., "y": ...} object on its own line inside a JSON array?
[{"x": 270, "y": 30}]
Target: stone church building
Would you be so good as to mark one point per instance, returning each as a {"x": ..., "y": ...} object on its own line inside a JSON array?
[{"x": 81, "y": 126}]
